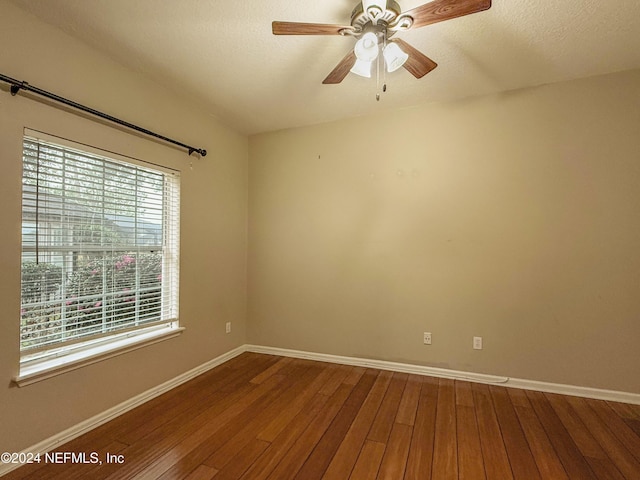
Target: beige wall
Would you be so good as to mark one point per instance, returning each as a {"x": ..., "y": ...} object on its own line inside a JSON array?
[
  {"x": 213, "y": 223},
  {"x": 513, "y": 217}
]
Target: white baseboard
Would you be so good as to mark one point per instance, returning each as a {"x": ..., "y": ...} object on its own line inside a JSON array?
[
  {"x": 576, "y": 391},
  {"x": 94, "y": 422}
]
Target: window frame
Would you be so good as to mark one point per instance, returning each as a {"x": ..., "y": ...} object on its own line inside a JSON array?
[{"x": 39, "y": 363}]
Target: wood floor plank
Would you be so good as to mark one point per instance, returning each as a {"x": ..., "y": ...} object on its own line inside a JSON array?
[
  {"x": 273, "y": 369},
  {"x": 238, "y": 431},
  {"x": 620, "y": 429},
  {"x": 355, "y": 375},
  {"x": 548, "y": 462},
  {"x": 300, "y": 399},
  {"x": 445, "y": 450},
  {"x": 264, "y": 417},
  {"x": 197, "y": 429},
  {"x": 202, "y": 472},
  {"x": 179, "y": 409},
  {"x": 628, "y": 465},
  {"x": 265, "y": 464},
  {"x": 385, "y": 418},
  {"x": 176, "y": 447},
  {"x": 409, "y": 403},
  {"x": 464, "y": 393},
  {"x": 131, "y": 426},
  {"x": 242, "y": 461},
  {"x": 394, "y": 461},
  {"x": 157, "y": 419},
  {"x": 290, "y": 400},
  {"x": 369, "y": 460},
  {"x": 363, "y": 386},
  {"x": 293, "y": 459},
  {"x": 523, "y": 466},
  {"x": 572, "y": 459},
  {"x": 628, "y": 412},
  {"x": 576, "y": 428},
  {"x": 338, "y": 376},
  {"x": 193, "y": 449},
  {"x": 600, "y": 463},
  {"x": 624, "y": 410},
  {"x": 633, "y": 425},
  {"x": 420, "y": 458},
  {"x": 347, "y": 453},
  {"x": 318, "y": 461},
  {"x": 496, "y": 460},
  {"x": 470, "y": 460}
]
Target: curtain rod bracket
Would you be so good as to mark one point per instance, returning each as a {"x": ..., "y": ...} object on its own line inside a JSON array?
[{"x": 16, "y": 88}]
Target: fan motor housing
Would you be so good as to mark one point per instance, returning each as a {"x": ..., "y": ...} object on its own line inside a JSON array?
[{"x": 360, "y": 19}]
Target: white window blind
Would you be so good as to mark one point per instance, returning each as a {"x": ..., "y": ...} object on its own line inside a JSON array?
[{"x": 99, "y": 248}]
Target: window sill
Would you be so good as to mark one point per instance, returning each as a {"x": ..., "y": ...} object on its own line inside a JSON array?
[{"x": 38, "y": 371}]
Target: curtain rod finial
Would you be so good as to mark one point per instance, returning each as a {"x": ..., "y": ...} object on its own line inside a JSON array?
[{"x": 201, "y": 151}]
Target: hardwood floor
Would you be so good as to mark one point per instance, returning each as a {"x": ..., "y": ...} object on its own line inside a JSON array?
[{"x": 273, "y": 418}]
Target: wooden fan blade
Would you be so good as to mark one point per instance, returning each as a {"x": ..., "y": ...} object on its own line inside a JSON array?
[
  {"x": 295, "y": 28},
  {"x": 341, "y": 70},
  {"x": 441, "y": 10},
  {"x": 418, "y": 64}
]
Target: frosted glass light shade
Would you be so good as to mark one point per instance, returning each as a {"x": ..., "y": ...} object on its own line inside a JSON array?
[
  {"x": 366, "y": 48},
  {"x": 394, "y": 57},
  {"x": 362, "y": 68}
]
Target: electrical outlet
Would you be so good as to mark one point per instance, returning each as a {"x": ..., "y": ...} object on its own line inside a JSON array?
[
  {"x": 427, "y": 338},
  {"x": 477, "y": 343},
  {"x": 228, "y": 327}
]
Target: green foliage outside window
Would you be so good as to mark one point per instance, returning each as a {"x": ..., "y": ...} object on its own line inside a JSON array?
[{"x": 101, "y": 294}]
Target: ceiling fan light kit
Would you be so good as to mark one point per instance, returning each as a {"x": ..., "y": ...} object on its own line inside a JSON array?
[
  {"x": 366, "y": 48},
  {"x": 362, "y": 68},
  {"x": 373, "y": 23},
  {"x": 394, "y": 57}
]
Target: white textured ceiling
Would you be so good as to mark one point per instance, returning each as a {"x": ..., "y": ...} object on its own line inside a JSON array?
[{"x": 223, "y": 54}]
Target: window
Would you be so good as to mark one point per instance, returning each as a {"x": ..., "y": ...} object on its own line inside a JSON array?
[{"x": 99, "y": 251}]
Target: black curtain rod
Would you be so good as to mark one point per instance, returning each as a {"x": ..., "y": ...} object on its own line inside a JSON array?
[{"x": 17, "y": 85}]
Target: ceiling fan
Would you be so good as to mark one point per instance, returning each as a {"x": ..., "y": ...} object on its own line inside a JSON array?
[{"x": 373, "y": 23}]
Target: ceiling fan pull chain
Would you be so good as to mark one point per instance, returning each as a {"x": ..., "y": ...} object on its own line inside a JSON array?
[
  {"x": 384, "y": 79},
  {"x": 384, "y": 70},
  {"x": 378, "y": 79}
]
